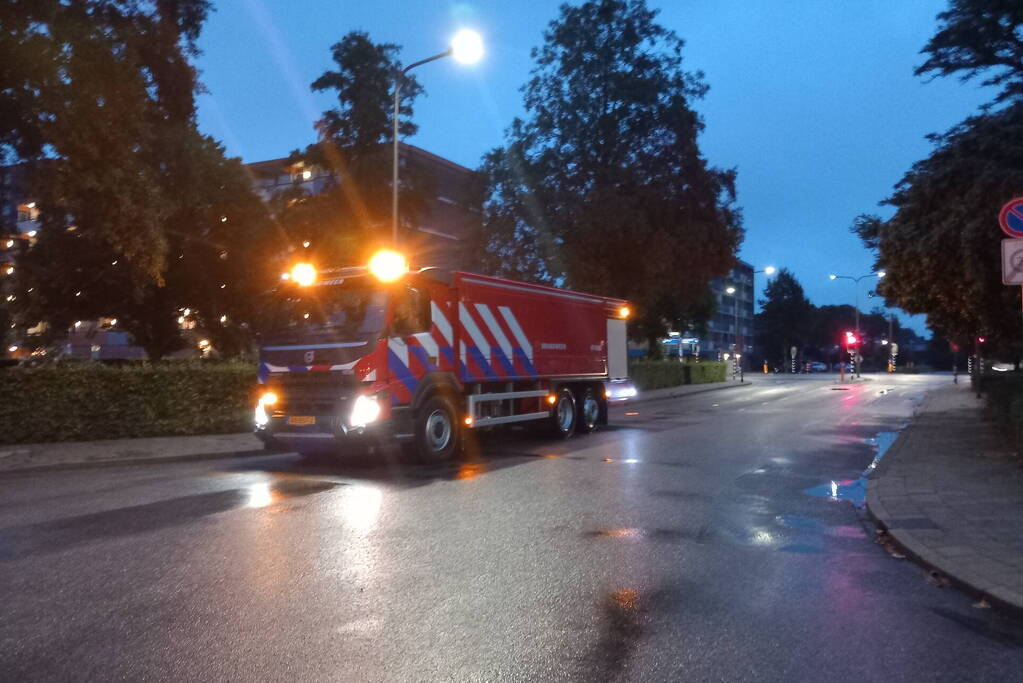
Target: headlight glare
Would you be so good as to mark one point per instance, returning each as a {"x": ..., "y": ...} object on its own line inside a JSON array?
[
  {"x": 366, "y": 409},
  {"x": 262, "y": 418}
]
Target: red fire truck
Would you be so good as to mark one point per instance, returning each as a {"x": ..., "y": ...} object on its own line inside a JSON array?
[{"x": 420, "y": 356}]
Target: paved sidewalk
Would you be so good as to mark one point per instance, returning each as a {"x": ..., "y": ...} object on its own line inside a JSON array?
[
  {"x": 950, "y": 493},
  {"x": 36, "y": 456}
]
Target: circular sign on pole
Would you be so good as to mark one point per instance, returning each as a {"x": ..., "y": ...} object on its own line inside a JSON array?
[
  {"x": 793, "y": 351},
  {"x": 1010, "y": 218}
]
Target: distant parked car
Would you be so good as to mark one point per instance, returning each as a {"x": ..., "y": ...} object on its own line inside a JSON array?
[{"x": 817, "y": 366}]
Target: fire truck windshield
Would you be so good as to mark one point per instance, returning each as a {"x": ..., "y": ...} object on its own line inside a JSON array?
[{"x": 339, "y": 312}]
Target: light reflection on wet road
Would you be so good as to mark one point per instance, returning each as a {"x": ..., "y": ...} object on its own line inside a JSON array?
[{"x": 680, "y": 543}]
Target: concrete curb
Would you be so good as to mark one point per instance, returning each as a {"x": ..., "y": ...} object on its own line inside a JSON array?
[
  {"x": 681, "y": 391},
  {"x": 40, "y": 457},
  {"x": 114, "y": 462},
  {"x": 909, "y": 547},
  {"x": 914, "y": 549}
]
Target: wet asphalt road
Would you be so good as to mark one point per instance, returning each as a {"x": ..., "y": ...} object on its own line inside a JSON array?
[{"x": 679, "y": 544}]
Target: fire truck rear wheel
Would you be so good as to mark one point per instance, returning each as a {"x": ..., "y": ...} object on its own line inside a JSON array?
[
  {"x": 589, "y": 412},
  {"x": 437, "y": 430},
  {"x": 564, "y": 414}
]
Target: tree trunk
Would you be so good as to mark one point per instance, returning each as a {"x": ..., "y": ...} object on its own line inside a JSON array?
[{"x": 653, "y": 346}]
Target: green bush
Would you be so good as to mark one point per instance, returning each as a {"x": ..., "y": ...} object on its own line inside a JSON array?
[
  {"x": 67, "y": 402},
  {"x": 657, "y": 374},
  {"x": 707, "y": 371},
  {"x": 660, "y": 374}
]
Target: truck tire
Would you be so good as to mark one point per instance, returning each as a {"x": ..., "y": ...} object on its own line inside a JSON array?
[
  {"x": 564, "y": 414},
  {"x": 437, "y": 431},
  {"x": 589, "y": 412}
]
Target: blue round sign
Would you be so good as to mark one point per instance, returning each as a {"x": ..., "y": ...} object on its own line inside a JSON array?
[{"x": 1011, "y": 218}]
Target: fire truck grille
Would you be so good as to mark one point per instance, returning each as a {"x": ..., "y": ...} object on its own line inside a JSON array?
[{"x": 309, "y": 393}]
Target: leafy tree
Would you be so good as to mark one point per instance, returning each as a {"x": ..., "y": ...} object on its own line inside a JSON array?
[
  {"x": 979, "y": 38},
  {"x": 364, "y": 81},
  {"x": 353, "y": 216},
  {"x": 136, "y": 205},
  {"x": 214, "y": 237},
  {"x": 941, "y": 248},
  {"x": 603, "y": 186},
  {"x": 518, "y": 246},
  {"x": 787, "y": 317}
]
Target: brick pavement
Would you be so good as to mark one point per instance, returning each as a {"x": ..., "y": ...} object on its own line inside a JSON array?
[{"x": 950, "y": 493}]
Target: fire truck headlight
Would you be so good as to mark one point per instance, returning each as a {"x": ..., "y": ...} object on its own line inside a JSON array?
[
  {"x": 366, "y": 409},
  {"x": 266, "y": 399}
]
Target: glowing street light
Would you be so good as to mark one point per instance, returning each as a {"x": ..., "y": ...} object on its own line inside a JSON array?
[{"x": 467, "y": 48}]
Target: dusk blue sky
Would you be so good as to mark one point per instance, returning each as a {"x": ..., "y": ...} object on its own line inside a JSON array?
[{"x": 813, "y": 101}]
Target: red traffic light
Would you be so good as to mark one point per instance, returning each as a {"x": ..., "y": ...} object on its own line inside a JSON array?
[
  {"x": 981, "y": 340},
  {"x": 850, "y": 339}
]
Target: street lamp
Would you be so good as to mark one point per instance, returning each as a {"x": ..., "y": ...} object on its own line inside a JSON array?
[
  {"x": 879, "y": 274},
  {"x": 466, "y": 48},
  {"x": 735, "y": 316},
  {"x": 768, "y": 271}
]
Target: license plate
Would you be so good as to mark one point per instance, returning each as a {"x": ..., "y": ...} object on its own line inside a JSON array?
[{"x": 301, "y": 420}]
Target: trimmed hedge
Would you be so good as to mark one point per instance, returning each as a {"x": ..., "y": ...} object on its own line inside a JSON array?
[
  {"x": 69, "y": 402},
  {"x": 705, "y": 372},
  {"x": 660, "y": 374}
]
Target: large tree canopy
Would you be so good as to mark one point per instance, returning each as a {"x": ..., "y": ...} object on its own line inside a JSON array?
[
  {"x": 979, "y": 38},
  {"x": 941, "y": 247},
  {"x": 353, "y": 216},
  {"x": 603, "y": 187},
  {"x": 141, "y": 214}
]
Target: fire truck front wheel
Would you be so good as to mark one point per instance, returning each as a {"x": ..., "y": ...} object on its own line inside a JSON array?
[
  {"x": 564, "y": 414},
  {"x": 437, "y": 430}
]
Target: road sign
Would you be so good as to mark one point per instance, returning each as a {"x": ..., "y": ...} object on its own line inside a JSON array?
[
  {"x": 1010, "y": 218},
  {"x": 895, "y": 349},
  {"x": 1012, "y": 262},
  {"x": 793, "y": 351}
]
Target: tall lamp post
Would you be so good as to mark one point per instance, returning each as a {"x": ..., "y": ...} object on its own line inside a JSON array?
[
  {"x": 735, "y": 316},
  {"x": 879, "y": 274},
  {"x": 466, "y": 48},
  {"x": 768, "y": 271}
]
